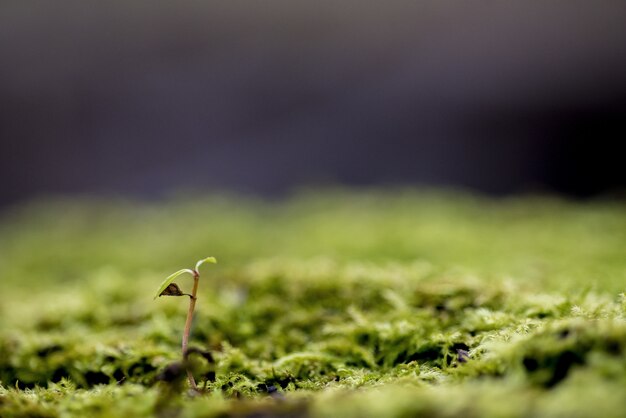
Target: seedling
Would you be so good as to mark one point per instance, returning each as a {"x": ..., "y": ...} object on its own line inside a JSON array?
[{"x": 169, "y": 288}]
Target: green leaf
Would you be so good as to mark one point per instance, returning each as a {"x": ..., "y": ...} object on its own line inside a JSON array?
[
  {"x": 211, "y": 260},
  {"x": 169, "y": 280}
]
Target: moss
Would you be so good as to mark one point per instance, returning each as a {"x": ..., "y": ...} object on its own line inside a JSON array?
[{"x": 327, "y": 304}]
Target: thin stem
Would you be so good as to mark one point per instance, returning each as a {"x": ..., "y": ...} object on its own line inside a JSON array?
[{"x": 192, "y": 305}]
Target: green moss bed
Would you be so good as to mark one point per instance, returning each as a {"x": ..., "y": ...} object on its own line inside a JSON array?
[{"x": 326, "y": 304}]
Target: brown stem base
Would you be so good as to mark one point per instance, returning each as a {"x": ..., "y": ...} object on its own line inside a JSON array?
[{"x": 187, "y": 331}]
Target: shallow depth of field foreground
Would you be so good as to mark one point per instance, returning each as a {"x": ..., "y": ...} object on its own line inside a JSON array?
[{"x": 328, "y": 304}]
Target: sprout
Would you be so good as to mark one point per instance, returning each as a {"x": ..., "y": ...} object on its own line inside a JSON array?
[{"x": 169, "y": 288}]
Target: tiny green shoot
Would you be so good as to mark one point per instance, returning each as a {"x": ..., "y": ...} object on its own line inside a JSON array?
[{"x": 169, "y": 288}]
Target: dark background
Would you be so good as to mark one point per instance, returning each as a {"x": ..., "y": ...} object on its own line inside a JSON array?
[{"x": 147, "y": 97}]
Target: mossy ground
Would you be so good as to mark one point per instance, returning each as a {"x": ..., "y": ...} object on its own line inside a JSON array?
[{"x": 337, "y": 303}]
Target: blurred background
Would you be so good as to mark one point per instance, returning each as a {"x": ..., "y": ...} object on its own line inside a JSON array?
[{"x": 143, "y": 98}]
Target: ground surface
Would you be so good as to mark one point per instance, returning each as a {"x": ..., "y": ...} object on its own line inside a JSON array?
[{"x": 329, "y": 304}]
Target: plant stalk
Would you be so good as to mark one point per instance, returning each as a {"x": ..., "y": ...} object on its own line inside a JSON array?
[{"x": 187, "y": 331}]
